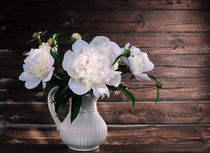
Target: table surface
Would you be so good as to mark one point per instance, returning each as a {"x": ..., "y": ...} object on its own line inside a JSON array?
[{"x": 150, "y": 148}]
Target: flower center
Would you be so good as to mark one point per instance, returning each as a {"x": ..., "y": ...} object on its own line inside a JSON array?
[
  {"x": 91, "y": 67},
  {"x": 44, "y": 71}
]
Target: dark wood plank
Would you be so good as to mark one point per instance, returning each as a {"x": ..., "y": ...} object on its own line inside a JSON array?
[
  {"x": 162, "y": 39},
  {"x": 186, "y": 89},
  {"x": 156, "y": 40},
  {"x": 113, "y": 26},
  {"x": 104, "y": 5},
  {"x": 161, "y": 72},
  {"x": 196, "y": 61},
  {"x": 187, "y": 50},
  {"x": 14, "y": 83},
  {"x": 109, "y": 21},
  {"x": 117, "y": 135},
  {"x": 148, "y": 16},
  {"x": 143, "y": 148},
  {"x": 143, "y": 94},
  {"x": 113, "y": 113}
]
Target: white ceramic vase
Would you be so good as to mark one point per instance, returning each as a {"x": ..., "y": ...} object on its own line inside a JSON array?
[{"x": 87, "y": 131}]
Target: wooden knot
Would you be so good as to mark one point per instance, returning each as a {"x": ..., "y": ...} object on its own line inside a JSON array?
[{"x": 15, "y": 118}]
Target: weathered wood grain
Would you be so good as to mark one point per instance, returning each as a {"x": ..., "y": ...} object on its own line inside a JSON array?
[
  {"x": 195, "y": 61},
  {"x": 108, "y": 21},
  {"x": 174, "y": 89},
  {"x": 118, "y": 135},
  {"x": 143, "y": 148},
  {"x": 157, "y": 40},
  {"x": 14, "y": 83},
  {"x": 104, "y": 5},
  {"x": 144, "y": 94},
  {"x": 187, "y": 50},
  {"x": 150, "y": 16},
  {"x": 141, "y": 94},
  {"x": 113, "y": 113},
  {"x": 160, "y": 72}
]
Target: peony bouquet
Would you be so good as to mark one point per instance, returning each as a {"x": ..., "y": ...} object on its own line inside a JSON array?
[{"x": 87, "y": 68}]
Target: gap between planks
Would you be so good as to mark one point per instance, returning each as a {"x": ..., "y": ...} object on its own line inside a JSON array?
[
  {"x": 102, "y": 103},
  {"x": 109, "y": 125}
]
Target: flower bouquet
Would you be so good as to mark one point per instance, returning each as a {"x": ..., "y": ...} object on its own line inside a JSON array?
[{"x": 87, "y": 71}]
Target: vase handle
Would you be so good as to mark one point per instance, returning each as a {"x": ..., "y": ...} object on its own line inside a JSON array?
[{"x": 51, "y": 107}]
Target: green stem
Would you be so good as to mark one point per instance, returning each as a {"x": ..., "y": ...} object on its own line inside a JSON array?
[
  {"x": 56, "y": 76},
  {"x": 39, "y": 41},
  {"x": 117, "y": 59},
  {"x": 61, "y": 41}
]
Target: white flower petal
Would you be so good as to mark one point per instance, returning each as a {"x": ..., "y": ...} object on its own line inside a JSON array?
[
  {"x": 115, "y": 80},
  {"x": 148, "y": 65},
  {"x": 25, "y": 76},
  {"x": 45, "y": 46},
  {"x": 125, "y": 60},
  {"x": 67, "y": 58},
  {"x": 77, "y": 87},
  {"x": 127, "y": 45},
  {"x": 135, "y": 50},
  {"x": 49, "y": 76},
  {"x": 52, "y": 60},
  {"x": 96, "y": 93},
  {"x": 78, "y": 45},
  {"x": 116, "y": 50},
  {"x": 142, "y": 77},
  {"x": 101, "y": 90},
  {"x": 32, "y": 83},
  {"x": 99, "y": 40},
  {"x": 133, "y": 65}
]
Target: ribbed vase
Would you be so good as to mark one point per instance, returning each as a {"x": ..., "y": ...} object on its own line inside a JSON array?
[{"x": 87, "y": 131}]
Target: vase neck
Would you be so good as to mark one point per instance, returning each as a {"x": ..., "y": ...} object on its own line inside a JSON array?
[{"x": 88, "y": 103}]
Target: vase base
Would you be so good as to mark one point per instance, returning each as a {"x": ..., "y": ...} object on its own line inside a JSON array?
[{"x": 83, "y": 148}]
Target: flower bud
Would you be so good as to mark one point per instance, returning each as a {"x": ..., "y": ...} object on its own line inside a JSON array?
[
  {"x": 127, "y": 53},
  {"x": 159, "y": 84},
  {"x": 36, "y": 35},
  {"x": 51, "y": 42},
  {"x": 117, "y": 92},
  {"x": 75, "y": 37}
]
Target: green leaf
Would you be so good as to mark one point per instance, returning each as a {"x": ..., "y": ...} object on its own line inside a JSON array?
[
  {"x": 61, "y": 93},
  {"x": 158, "y": 95},
  {"x": 62, "y": 41},
  {"x": 56, "y": 56},
  {"x": 56, "y": 35},
  {"x": 64, "y": 81},
  {"x": 75, "y": 106},
  {"x": 55, "y": 66},
  {"x": 54, "y": 81},
  {"x": 43, "y": 33},
  {"x": 128, "y": 94},
  {"x": 39, "y": 41},
  {"x": 59, "y": 75},
  {"x": 62, "y": 88},
  {"x": 58, "y": 106},
  {"x": 153, "y": 77},
  {"x": 116, "y": 60},
  {"x": 30, "y": 41}
]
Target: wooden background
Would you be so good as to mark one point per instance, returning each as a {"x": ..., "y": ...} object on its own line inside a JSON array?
[{"x": 175, "y": 34}]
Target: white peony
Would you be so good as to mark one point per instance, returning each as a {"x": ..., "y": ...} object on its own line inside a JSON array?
[
  {"x": 38, "y": 66},
  {"x": 89, "y": 66},
  {"x": 138, "y": 62}
]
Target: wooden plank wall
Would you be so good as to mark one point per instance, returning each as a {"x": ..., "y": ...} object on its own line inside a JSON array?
[{"x": 175, "y": 34}]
